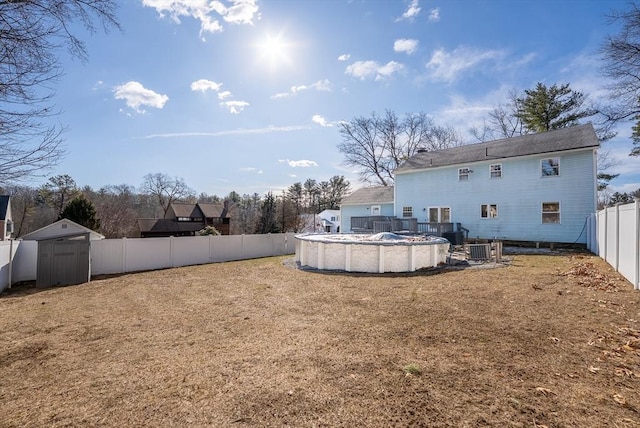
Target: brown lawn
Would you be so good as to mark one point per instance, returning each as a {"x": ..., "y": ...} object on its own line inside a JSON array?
[{"x": 549, "y": 340}]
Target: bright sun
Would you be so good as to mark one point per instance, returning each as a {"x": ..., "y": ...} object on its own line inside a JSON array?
[{"x": 274, "y": 50}]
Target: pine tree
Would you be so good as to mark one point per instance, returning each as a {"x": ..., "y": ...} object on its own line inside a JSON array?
[{"x": 81, "y": 211}]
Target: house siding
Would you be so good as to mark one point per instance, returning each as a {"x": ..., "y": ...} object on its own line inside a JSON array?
[
  {"x": 518, "y": 194},
  {"x": 361, "y": 210}
]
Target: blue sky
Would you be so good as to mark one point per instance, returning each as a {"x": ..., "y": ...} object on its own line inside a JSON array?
[{"x": 246, "y": 95}]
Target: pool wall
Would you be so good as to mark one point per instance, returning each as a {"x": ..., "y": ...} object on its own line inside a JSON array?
[{"x": 370, "y": 256}]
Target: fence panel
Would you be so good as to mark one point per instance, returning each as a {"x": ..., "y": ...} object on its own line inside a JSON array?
[
  {"x": 110, "y": 256},
  {"x": 626, "y": 245},
  {"x": 618, "y": 239},
  {"x": 107, "y": 256}
]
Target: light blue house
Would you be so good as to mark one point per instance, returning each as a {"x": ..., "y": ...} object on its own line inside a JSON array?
[
  {"x": 366, "y": 202},
  {"x": 537, "y": 187}
]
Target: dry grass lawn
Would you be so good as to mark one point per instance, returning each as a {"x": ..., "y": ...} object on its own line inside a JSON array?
[{"x": 549, "y": 340}]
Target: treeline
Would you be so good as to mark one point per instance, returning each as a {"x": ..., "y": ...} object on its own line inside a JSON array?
[{"x": 113, "y": 210}]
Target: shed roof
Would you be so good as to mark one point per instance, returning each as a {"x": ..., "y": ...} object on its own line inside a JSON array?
[
  {"x": 60, "y": 229},
  {"x": 572, "y": 138},
  {"x": 370, "y": 195}
]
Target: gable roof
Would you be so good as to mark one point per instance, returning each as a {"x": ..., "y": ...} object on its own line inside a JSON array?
[
  {"x": 186, "y": 210},
  {"x": 4, "y": 206},
  {"x": 59, "y": 229},
  {"x": 370, "y": 195},
  {"x": 211, "y": 210},
  {"x": 575, "y": 137}
]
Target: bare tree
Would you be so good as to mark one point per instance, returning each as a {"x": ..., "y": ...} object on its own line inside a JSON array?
[
  {"x": 58, "y": 191},
  {"x": 31, "y": 34},
  {"x": 165, "y": 189},
  {"x": 115, "y": 208},
  {"x": 378, "y": 145}
]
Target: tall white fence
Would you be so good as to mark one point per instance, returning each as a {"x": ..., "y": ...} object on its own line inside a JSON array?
[
  {"x": 18, "y": 259},
  {"x": 614, "y": 234}
]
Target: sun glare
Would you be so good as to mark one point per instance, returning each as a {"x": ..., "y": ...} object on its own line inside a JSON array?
[{"x": 274, "y": 50}]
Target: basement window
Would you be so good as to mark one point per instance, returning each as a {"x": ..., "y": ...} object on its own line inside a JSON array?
[{"x": 407, "y": 211}]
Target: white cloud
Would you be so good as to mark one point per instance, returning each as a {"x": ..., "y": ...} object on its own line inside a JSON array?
[
  {"x": 344, "y": 57},
  {"x": 320, "y": 120},
  {"x": 97, "y": 85},
  {"x": 235, "y": 107},
  {"x": 320, "y": 85},
  {"x": 405, "y": 45},
  {"x": 137, "y": 96},
  {"x": 434, "y": 15},
  {"x": 254, "y": 131},
  {"x": 205, "y": 85},
  {"x": 224, "y": 95},
  {"x": 302, "y": 163},
  {"x": 412, "y": 11},
  {"x": 366, "y": 69},
  {"x": 447, "y": 66},
  {"x": 252, "y": 169},
  {"x": 240, "y": 12}
]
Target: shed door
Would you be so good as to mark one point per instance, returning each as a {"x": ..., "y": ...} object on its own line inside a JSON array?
[{"x": 63, "y": 261}]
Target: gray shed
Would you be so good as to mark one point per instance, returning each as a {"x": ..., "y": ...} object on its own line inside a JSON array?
[{"x": 64, "y": 253}]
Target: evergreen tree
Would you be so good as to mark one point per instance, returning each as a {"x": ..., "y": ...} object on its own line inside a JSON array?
[
  {"x": 555, "y": 107},
  {"x": 81, "y": 211}
]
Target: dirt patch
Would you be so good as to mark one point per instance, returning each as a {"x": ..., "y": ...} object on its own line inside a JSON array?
[{"x": 547, "y": 340}]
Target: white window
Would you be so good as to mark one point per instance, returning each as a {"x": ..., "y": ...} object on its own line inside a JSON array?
[
  {"x": 407, "y": 211},
  {"x": 550, "y": 167},
  {"x": 439, "y": 215},
  {"x": 551, "y": 212},
  {"x": 463, "y": 174},
  {"x": 333, "y": 218},
  {"x": 375, "y": 210},
  {"x": 495, "y": 170},
  {"x": 489, "y": 211}
]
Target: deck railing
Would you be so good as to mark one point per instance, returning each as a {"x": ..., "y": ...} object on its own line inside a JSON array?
[{"x": 377, "y": 224}]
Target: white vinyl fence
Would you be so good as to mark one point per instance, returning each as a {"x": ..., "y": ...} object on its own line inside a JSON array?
[
  {"x": 614, "y": 235},
  {"x": 18, "y": 259}
]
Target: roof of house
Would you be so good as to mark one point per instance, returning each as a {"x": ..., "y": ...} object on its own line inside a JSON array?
[
  {"x": 161, "y": 225},
  {"x": 200, "y": 210},
  {"x": 4, "y": 206},
  {"x": 186, "y": 210},
  {"x": 60, "y": 229},
  {"x": 572, "y": 138},
  {"x": 213, "y": 210},
  {"x": 370, "y": 195}
]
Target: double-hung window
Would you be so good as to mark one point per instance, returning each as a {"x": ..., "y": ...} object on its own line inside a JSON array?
[
  {"x": 550, "y": 167},
  {"x": 551, "y": 212},
  {"x": 495, "y": 170},
  {"x": 463, "y": 174}
]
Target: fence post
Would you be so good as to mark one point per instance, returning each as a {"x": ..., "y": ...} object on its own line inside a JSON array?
[
  {"x": 123, "y": 268},
  {"x": 606, "y": 227},
  {"x": 636, "y": 284},
  {"x": 617, "y": 266}
]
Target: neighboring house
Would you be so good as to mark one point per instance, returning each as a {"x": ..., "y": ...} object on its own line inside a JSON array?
[
  {"x": 6, "y": 222},
  {"x": 327, "y": 221},
  {"x": 186, "y": 220},
  {"x": 537, "y": 187},
  {"x": 61, "y": 229},
  {"x": 330, "y": 221},
  {"x": 366, "y": 202}
]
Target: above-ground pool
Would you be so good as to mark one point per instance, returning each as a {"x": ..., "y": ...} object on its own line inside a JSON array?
[{"x": 383, "y": 252}]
